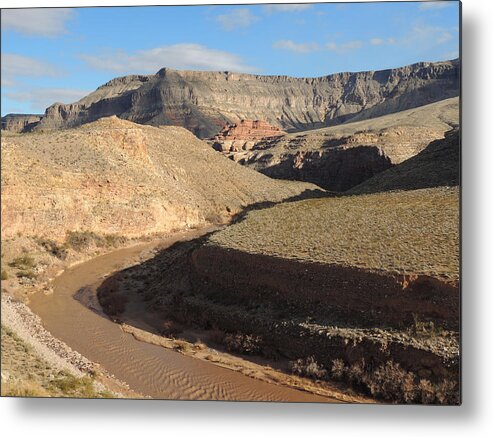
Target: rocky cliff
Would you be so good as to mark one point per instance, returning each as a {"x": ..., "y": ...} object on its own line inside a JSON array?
[
  {"x": 339, "y": 157},
  {"x": 20, "y": 122},
  {"x": 243, "y": 135},
  {"x": 204, "y": 101}
]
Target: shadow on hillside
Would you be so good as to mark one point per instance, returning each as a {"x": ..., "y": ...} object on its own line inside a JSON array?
[
  {"x": 438, "y": 165},
  {"x": 336, "y": 170}
]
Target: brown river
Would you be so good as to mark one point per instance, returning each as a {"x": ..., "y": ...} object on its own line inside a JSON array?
[{"x": 148, "y": 369}]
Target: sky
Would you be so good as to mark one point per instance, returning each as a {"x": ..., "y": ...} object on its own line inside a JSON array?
[{"x": 61, "y": 54}]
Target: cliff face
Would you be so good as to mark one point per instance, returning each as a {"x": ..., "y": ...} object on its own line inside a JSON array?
[
  {"x": 20, "y": 122},
  {"x": 339, "y": 157},
  {"x": 243, "y": 135},
  {"x": 204, "y": 101}
]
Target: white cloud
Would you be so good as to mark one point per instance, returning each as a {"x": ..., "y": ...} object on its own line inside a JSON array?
[
  {"x": 41, "y": 98},
  {"x": 286, "y": 44},
  {"x": 427, "y": 34},
  {"x": 15, "y": 66},
  {"x": 178, "y": 56},
  {"x": 444, "y": 37},
  {"x": 237, "y": 18},
  {"x": 426, "y": 6},
  {"x": 381, "y": 41},
  {"x": 293, "y": 7},
  {"x": 377, "y": 41},
  {"x": 48, "y": 22},
  {"x": 344, "y": 47}
]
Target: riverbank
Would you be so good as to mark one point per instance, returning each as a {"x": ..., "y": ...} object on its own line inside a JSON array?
[
  {"x": 34, "y": 363},
  {"x": 149, "y": 369}
]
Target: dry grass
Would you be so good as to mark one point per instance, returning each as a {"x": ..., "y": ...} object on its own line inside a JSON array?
[
  {"x": 411, "y": 232},
  {"x": 25, "y": 374}
]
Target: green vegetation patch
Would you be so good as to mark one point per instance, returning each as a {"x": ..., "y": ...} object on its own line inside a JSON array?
[
  {"x": 82, "y": 240},
  {"x": 411, "y": 232}
]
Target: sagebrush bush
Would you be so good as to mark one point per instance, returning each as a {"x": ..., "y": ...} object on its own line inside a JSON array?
[
  {"x": 82, "y": 240},
  {"x": 308, "y": 367},
  {"x": 23, "y": 262},
  {"x": 391, "y": 382},
  {"x": 243, "y": 343},
  {"x": 71, "y": 385},
  {"x": 53, "y": 248}
]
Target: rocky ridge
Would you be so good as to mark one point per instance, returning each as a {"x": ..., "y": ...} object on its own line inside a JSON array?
[
  {"x": 20, "y": 122},
  {"x": 203, "y": 101}
]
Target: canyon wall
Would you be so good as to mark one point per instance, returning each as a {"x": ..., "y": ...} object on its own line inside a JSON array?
[{"x": 203, "y": 102}]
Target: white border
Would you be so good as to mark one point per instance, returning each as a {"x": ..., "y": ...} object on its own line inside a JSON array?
[{"x": 57, "y": 417}]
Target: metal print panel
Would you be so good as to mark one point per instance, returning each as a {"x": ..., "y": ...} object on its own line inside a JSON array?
[{"x": 254, "y": 202}]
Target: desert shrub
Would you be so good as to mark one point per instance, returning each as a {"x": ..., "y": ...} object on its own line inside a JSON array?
[
  {"x": 243, "y": 343},
  {"x": 422, "y": 328},
  {"x": 447, "y": 392},
  {"x": 23, "y": 262},
  {"x": 113, "y": 240},
  {"x": 426, "y": 391},
  {"x": 171, "y": 328},
  {"x": 338, "y": 369},
  {"x": 4, "y": 275},
  {"x": 83, "y": 240},
  {"x": 308, "y": 367},
  {"x": 72, "y": 386},
  {"x": 182, "y": 346},
  {"x": 53, "y": 248},
  {"x": 391, "y": 382}
]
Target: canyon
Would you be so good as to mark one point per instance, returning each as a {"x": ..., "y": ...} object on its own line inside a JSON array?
[
  {"x": 340, "y": 157},
  {"x": 285, "y": 238}
]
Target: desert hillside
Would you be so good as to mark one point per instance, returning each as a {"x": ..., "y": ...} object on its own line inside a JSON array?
[
  {"x": 340, "y": 157},
  {"x": 114, "y": 176},
  {"x": 352, "y": 231},
  {"x": 359, "y": 288},
  {"x": 204, "y": 101},
  {"x": 437, "y": 165}
]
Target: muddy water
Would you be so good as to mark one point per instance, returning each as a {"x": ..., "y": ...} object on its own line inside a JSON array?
[{"x": 148, "y": 369}]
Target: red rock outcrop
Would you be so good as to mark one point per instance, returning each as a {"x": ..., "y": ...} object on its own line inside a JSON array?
[
  {"x": 235, "y": 137},
  {"x": 248, "y": 130}
]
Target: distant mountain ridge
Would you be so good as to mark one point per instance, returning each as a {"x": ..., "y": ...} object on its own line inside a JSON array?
[{"x": 203, "y": 101}]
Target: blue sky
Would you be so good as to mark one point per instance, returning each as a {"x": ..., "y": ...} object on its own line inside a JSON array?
[{"x": 51, "y": 55}]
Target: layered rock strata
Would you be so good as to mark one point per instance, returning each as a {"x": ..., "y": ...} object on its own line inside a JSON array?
[{"x": 203, "y": 101}]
